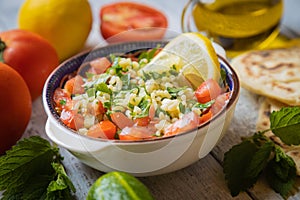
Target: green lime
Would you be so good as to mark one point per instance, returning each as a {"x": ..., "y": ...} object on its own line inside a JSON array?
[{"x": 118, "y": 185}]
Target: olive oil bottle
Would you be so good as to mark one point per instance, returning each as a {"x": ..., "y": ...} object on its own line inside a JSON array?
[{"x": 239, "y": 25}]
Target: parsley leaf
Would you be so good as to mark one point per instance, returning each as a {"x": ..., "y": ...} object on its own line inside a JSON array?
[
  {"x": 62, "y": 102},
  {"x": 148, "y": 54},
  {"x": 174, "y": 91},
  {"x": 102, "y": 87},
  {"x": 223, "y": 76},
  {"x": 146, "y": 76},
  {"x": 27, "y": 170},
  {"x": 144, "y": 105},
  {"x": 204, "y": 105},
  {"x": 156, "y": 75},
  {"x": 91, "y": 92},
  {"x": 116, "y": 67},
  {"x": 126, "y": 81},
  {"x": 285, "y": 124},
  {"x": 182, "y": 108}
]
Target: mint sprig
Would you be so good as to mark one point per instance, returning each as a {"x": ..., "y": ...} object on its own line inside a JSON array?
[
  {"x": 281, "y": 173},
  {"x": 32, "y": 169},
  {"x": 285, "y": 124},
  {"x": 244, "y": 163}
]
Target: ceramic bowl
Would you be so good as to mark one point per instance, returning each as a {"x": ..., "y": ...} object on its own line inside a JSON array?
[{"x": 139, "y": 158}]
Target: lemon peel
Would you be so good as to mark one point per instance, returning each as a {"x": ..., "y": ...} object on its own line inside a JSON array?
[
  {"x": 192, "y": 55},
  {"x": 66, "y": 24}
]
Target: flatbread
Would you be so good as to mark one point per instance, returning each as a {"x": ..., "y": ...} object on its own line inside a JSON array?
[
  {"x": 267, "y": 106},
  {"x": 263, "y": 123},
  {"x": 272, "y": 73}
]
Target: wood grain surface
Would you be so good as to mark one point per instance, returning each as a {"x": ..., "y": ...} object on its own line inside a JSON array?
[{"x": 201, "y": 180}]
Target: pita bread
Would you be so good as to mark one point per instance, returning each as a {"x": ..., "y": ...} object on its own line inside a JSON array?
[
  {"x": 267, "y": 106},
  {"x": 263, "y": 123},
  {"x": 274, "y": 73}
]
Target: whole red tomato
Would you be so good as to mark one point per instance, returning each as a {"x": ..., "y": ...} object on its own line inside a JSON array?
[
  {"x": 30, "y": 55},
  {"x": 15, "y": 106},
  {"x": 128, "y": 21}
]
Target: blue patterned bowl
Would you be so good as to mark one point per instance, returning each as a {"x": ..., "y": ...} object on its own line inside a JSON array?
[{"x": 140, "y": 158}]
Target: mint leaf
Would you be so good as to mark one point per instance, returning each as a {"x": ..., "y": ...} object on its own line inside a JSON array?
[
  {"x": 259, "y": 161},
  {"x": 281, "y": 173},
  {"x": 285, "y": 124},
  {"x": 32, "y": 156},
  {"x": 11, "y": 195},
  {"x": 37, "y": 187},
  {"x": 27, "y": 170},
  {"x": 61, "y": 185},
  {"x": 244, "y": 163},
  {"x": 235, "y": 163}
]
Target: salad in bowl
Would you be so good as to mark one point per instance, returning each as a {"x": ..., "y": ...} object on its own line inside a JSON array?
[
  {"x": 115, "y": 98},
  {"x": 137, "y": 102}
]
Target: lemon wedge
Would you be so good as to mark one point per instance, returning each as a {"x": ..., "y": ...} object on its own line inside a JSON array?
[{"x": 192, "y": 55}]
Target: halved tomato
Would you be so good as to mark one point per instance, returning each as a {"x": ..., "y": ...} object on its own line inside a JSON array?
[{"x": 128, "y": 21}]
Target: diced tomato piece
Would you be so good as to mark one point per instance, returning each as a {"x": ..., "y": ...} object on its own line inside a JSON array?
[
  {"x": 136, "y": 133},
  {"x": 74, "y": 85},
  {"x": 105, "y": 129},
  {"x": 100, "y": 109},
  {"x": 78, "y": 82},
  {"x": 69, "y": 85},
  {"x": 205, "y": 117},
  {"x": 218, "y": 105},
  {"x": 142, "y": 121},
  {"x": 72, "y": 119},
  {"x": 100, "y": 65},
  {"x": 128, "y": 137},
  {"x": 97, "y": 110},
  {"x": 188, "y": 122},
  {"x": 62, "y": 99},
  {"x": 207, "y": 91},
  {"x": 108, "y": 128},
  {"x": 220, "y": 102},
  {"x": 121, "y": 120}
]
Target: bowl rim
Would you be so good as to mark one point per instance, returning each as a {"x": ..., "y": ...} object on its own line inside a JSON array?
[{"x": 47, "y": 102}]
